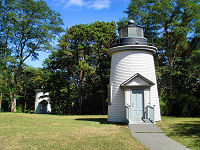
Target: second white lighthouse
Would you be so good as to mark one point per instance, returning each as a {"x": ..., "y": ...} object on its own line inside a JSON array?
[{"x": 133, "y": 94}]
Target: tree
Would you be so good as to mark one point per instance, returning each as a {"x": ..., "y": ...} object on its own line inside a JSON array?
[
  {"x": 5, "y": 103},
  {"x": 60, "y": 82},
  {"x": 30, "y": 80},
  {"x": 82, "y": 64},
  {"x": 26, "y": 27},
  {"x": 174, "y": 25}
]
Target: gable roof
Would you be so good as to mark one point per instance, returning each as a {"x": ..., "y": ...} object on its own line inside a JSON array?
[{"x": 137, "y": 77}]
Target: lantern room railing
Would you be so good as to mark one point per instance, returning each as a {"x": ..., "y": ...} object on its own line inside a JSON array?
[{"x": 128, "y": 41}]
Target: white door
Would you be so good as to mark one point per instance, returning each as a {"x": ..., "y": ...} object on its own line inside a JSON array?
[{"x": 137, "y": 105}]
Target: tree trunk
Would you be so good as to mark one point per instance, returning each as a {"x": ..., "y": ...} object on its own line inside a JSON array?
[
  {"x": 80, "y": 103},
  {"x": 25, "y": 97},
  {"x": 13, "y": 105},
  {"x": 25, "y": 106},
  {"x": 80, "y": 91},
  {"x": 171, "y": 85},
  {"x": 13, "y": 100},
  {"x": 10, "y": 92}
]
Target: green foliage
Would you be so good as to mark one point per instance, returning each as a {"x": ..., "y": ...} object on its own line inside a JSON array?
[
  {"x": 80, "y": 69},
  {"x": 19, "y": 109},
  {"x": 190, "y": 105},
  {"x": 30, "y": 80},
  {"x": 174, "y": 26},
  {"x": 5, "y": 107},
  {"x": 26, "y": 27},
  {"x": 4, "y": 90},
  {"x": 163, "y": 108},
  {"x": 122, "y": 22}
]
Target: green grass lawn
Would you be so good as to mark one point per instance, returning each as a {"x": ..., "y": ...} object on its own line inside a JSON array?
[
  {"x": 31, "y": 131},
  {"x": 184, "y": 130}
]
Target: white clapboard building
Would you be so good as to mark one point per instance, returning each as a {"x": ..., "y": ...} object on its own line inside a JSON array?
[
  {"x": 42, "y": 102},
  {"x": 133, "y": 95}
]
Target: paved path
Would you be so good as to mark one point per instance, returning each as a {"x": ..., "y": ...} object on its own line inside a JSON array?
[{"x": 153, "y": 138}]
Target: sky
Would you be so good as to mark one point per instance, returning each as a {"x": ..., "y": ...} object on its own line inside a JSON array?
[{"x": 83, "y": 12}]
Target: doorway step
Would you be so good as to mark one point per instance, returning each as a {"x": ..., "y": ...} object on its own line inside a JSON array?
[{"x": 147, "y": 121}]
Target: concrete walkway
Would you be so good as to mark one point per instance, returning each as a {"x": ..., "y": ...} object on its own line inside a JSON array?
[{"x": 153, "y": 138}]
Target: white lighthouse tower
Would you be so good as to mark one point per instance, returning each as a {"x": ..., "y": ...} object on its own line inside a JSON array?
[{"x": 133, "y": 94}]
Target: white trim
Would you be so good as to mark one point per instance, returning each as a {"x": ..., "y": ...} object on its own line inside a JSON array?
[
  {"x": 133, "y": 48},
  {"x": 150, "y": 96},
  {"x": 111, "y": 88},
  {"x": 146, "y": 81}
]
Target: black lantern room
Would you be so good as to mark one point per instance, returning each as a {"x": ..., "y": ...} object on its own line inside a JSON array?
[{"x": 131, "y": 35}]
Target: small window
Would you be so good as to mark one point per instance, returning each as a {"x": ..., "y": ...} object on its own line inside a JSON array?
[{"x": 109, "y": 94}]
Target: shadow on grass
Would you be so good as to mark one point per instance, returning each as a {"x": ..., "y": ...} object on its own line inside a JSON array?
[
  {"x": 100, "y": 120},
  {"x": 190, "y": 129}
]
